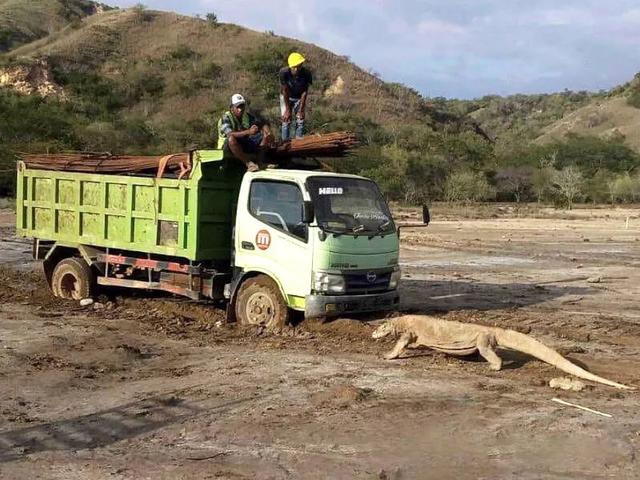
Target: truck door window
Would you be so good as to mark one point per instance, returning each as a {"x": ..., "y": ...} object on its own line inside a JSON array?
[{"x": 279, "y": 204}]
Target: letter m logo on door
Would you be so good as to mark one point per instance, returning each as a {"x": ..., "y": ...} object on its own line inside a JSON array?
[{"x": 263, "y": 239}]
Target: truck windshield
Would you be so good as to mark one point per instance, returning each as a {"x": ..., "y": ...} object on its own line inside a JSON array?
[{"x": 349, "y": 205}]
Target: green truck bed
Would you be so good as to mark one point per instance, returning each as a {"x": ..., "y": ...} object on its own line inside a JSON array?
[{"x": 190, "y": 218}]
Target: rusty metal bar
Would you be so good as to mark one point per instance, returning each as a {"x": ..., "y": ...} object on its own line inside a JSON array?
[{"x": 157, "y": 265}]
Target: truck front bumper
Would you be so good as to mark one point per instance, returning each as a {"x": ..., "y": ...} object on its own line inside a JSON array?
[{"x": 331, "y": 306}]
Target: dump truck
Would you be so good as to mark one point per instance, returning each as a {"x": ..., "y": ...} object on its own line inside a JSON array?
[{"x": 265, "y": 243}]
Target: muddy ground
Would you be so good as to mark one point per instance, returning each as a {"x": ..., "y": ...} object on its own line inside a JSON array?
[{"x": 156, "y": 387}]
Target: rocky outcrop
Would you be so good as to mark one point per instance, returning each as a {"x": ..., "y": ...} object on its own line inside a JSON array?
[{"x": 32, "y": 79}]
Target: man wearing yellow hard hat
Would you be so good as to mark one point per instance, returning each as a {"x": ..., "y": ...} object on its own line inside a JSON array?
[{"x": 294, "y": 87}]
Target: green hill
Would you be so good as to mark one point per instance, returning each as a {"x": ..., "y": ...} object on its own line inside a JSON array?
[
  {"x": 141, "y": 81},
  {"x": 149, "y": 82},
  {"x": 519, "y": 118},
  {"x": 22, "y": 21},
  {"x": 615, "y": 116},
  {"x": 547, "y": 118},
  {"x": 183, "y": 67}
]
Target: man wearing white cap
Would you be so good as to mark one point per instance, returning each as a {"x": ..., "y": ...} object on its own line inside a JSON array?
[{"x": 239, "y": 133}]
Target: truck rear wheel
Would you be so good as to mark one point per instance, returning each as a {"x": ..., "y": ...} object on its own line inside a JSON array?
[
  {"x": 260, "y": 303},
  {"x": 72, "y": 279}
]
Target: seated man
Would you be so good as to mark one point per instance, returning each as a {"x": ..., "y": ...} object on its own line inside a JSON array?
[{"x": 239, "y": 134}]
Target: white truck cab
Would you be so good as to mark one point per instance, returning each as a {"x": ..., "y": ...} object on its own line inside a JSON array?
[{"x": 325, "y": 242}]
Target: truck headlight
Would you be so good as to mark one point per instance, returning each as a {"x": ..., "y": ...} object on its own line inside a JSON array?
[
  {"x": 328, "y": 283},
  {"x": 395, "y": 278}
]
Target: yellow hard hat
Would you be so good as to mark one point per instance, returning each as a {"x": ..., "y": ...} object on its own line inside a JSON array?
[{"x": 295, "y": 60}]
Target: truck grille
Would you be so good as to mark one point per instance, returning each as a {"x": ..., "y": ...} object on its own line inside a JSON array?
[{"x": 363, "y": 282}]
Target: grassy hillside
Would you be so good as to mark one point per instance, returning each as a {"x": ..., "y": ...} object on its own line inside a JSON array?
[
  {"x": 196, "y": 66},
  {"x": 147, "y": 82},
  {"x": 22, "y": 21},
  {"x": 519, "y": 118},
  {"x": 615, "y": 116},
  {"x": 546, "y": 118}
]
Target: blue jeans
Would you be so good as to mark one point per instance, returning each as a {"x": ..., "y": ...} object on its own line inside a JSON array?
[
  {"x": 294, "y": 107},
  {"x": 249, "y": 144}
]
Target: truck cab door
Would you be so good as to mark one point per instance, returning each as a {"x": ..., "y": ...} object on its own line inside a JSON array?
[{"x": 271, "y": 236}]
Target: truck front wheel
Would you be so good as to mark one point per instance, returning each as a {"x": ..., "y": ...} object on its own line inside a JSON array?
[
  {"x": 72, "y": 279},
  {"x": 259, "y": 302}
]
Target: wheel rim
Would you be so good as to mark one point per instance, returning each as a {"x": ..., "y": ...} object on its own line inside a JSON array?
[
  {"x": 260, "y": 309},
  {"x": 69, "y": 285}
]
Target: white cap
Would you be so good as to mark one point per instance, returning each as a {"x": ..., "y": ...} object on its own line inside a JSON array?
[{"x": 237, "y": 99}]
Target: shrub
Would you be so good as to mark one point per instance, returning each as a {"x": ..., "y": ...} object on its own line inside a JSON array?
[
  {"x": 31, "y": 124},
  {"x": 96, "y": 95},
  {"x": 625, "y": 188},
  {"x": 182, "y": 52},
  {"x": 5, "y": 40},
  {"x": 568, "y": 184},
  {"x": 634, "y": 98},
  {"x": 596, "y": 188},
  {"x": 212, "y": 19},
  {"x": 467, "y": 186},
  {"x": 143, "y": 84},
  {"x": 263, "y": 63},
  {"x": 101, "y": 137},
  {"x": 141, "y": 13},
  {"x": 514, "y": 183}
]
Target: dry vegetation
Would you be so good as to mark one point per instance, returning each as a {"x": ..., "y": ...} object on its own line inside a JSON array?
[
  {"x": 24, "y": 21},
  {"x": 117, "y": 43},
  {"x": 608, "y": 118}
]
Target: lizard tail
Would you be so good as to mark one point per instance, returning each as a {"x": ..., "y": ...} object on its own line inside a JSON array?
[{"x": 525, "y": 344}]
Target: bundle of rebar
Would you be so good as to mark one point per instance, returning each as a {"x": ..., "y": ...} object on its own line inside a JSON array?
[
  {"x": 337, "y": 144},
  {"x": 329, "y": 145},
  {"x": 105, "y": 162}
]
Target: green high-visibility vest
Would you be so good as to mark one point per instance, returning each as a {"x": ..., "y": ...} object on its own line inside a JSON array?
[{"x": 243, "y": 124}]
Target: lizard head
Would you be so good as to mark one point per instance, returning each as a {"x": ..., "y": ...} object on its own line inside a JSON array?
[{"x": 383, "y": 330}]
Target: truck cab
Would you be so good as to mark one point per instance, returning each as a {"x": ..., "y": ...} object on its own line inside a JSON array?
[{"x": 326, "y": 242}]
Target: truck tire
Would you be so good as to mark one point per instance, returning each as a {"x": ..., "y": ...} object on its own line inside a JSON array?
[
  {"x": 260, "y": 302},
  {"x": 72, "y": 279}
]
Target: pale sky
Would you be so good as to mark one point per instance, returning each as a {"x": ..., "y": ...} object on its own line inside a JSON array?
[{"x": 455, "y": 48}]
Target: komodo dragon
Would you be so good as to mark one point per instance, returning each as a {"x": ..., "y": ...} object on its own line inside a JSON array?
[{"x": 457, "y": 338}]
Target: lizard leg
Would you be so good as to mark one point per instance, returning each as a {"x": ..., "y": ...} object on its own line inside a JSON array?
[
  {"x": 485, "y": 349},
  {"x": 401, "y": 344}
]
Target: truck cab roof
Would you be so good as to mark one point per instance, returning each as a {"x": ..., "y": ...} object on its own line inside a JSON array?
[{"x": 298, "y": 175}]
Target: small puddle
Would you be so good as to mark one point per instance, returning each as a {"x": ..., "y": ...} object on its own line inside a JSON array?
[{"x": 15, "y": 251}]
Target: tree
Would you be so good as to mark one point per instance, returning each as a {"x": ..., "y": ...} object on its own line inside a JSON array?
[
  {"x": 542, "y": 179},
  {"x": 212, "y": 19},
  {"x": 515, "y": 182},
  {"x": 596, "y": 188},
  {"x": 625, "y": 188},
  {"x": 142, "y": 15},
  {"x": 568, "y": 184},
  {"x": 467, "y": 186}
]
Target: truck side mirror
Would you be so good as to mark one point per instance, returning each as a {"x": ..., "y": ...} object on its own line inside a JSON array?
[
  {"x": 426, "y": 216},
  {"x": 307, "y": 212}
]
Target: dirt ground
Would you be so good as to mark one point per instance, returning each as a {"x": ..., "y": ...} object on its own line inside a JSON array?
[{"x": 153, "y": 387}]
